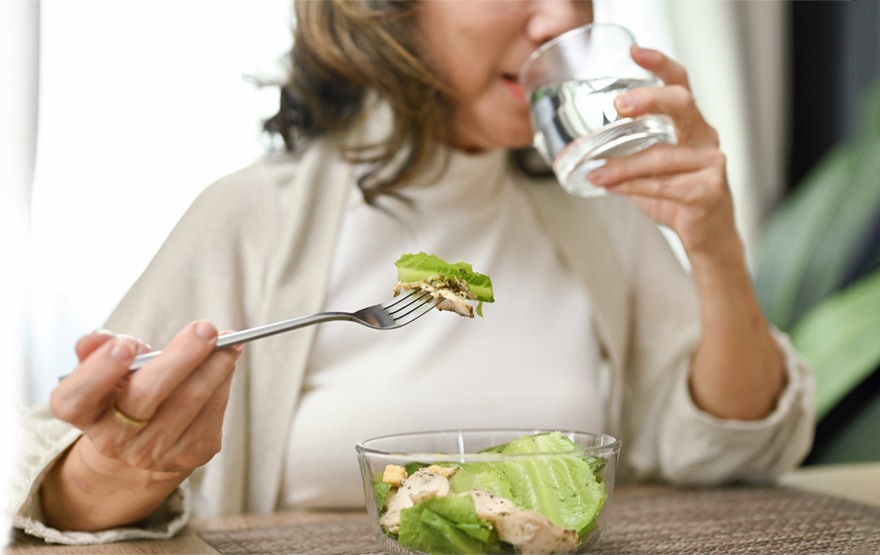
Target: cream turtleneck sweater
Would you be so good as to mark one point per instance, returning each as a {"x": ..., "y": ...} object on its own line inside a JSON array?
[{"x": 519, "y": 366}]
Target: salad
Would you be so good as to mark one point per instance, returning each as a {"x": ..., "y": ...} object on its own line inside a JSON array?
[
  {"x": 455, "y": 283},
  {"x": 545, "y": 503}
]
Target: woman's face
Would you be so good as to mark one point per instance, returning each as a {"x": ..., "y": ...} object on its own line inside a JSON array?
[{"x": 478, "y": 46}]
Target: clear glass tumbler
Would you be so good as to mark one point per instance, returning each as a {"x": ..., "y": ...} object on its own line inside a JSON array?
[{"x": 571, "y": 83}]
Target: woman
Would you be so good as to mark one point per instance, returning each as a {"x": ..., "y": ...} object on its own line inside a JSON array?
[{"x": 399, "y": 119}]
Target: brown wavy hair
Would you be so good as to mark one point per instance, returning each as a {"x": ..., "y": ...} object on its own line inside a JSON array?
[{"x": 343, "y": 49}]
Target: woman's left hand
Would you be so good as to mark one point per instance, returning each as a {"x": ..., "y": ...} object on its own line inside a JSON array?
[
  {"x": 683, "y": 186},
  {"x": 737, "y": 369}
]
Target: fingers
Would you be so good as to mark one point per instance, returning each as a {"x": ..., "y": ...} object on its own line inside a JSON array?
[
  {"x": 151, "y": 385},
  {"x": 185, "y": 430},
  {"x": 82, "y": 397},
  {"x": 140, "y": 346},
  {"x": 677, "y": 190},
  {"x": 670, "y": 71},
  {"x": 675, "y": 99},
  {"x": 684, "y": 178},
  {"x": 168, "y": 415},
  {"x": 683, "y": 186},
  {"x": 199, "y": 401},
  {"x": 657, "y": 161},
  {"x": 102, "y": 375},
  {"x": 662, "y": 171},
  {"x": 202, "y": 437},
  {"x": 88, "y": 343}
]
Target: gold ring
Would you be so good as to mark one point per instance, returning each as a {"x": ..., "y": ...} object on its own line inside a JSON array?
[{"x": 123, "y": 418}]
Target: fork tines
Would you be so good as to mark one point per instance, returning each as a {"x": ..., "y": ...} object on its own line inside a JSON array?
[{"x": 407, "y": 304}]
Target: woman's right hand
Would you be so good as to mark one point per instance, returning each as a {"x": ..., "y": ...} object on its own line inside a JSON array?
[{"x": 144, "y": 432}]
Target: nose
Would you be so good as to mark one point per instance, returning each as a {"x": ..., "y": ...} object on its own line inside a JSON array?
[{"x": 553, "y": 17}]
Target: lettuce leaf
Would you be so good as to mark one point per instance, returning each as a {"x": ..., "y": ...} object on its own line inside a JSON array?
[
  {"x": 565, "y": 489},
  {"x": 446, "y": 525}
]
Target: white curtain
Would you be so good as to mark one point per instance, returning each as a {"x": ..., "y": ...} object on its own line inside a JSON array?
[
  {"x": 18, "y": 57},
  {"x": 142, "y": 104}
]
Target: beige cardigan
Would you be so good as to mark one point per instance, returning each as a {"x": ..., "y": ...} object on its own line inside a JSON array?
[{"x": 257, "y": 246}]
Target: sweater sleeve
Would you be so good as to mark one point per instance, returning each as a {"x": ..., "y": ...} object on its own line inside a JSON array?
[
  {"x": 47, "y": 438},
  {"x": 697, "y": 447},
  {"x": 203, "y": 271}
]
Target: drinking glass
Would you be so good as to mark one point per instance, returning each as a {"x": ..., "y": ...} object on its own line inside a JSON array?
[{"x": 571, "y": 83}]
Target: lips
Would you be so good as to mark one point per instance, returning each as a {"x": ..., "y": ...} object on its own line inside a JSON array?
[{"x": 512, "y": 84}]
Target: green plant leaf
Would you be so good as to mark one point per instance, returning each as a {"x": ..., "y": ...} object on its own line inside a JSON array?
[
  {"x": 790, "y": 237},
  {"x": 816, "y": 266},
  {"x": 840, "y": 338},
  {"x": 871, "y": 109},
  {"x": 808, "y": 246}
]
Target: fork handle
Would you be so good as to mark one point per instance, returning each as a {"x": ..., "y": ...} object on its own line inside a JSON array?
[{"x": 258, "y": 332}]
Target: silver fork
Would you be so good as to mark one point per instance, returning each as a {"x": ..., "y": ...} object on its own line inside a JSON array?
[{"x": 392, "y": 314}]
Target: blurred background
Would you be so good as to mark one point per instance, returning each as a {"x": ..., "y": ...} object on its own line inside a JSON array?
[{"x": 117, "y": 113}]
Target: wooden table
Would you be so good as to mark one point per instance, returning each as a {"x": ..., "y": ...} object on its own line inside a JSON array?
[{"x": 855, "y": 482}]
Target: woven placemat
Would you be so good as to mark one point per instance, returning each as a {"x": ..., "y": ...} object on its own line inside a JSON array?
[
  {"x": 740, "y": 521},
  {"x": 655, "y": 521},
  {"x": 339, "y": 537}
]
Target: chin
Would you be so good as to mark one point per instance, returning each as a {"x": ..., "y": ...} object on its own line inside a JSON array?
[
  {"x": 526, "y": 142},
  {"x": 512, "y": 133},
  {"x": 499, "y": 129},
  {"x": 519, "y": 138},
  {"x": 493, "y": 142}
]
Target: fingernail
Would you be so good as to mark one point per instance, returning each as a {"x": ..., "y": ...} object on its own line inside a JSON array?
[
  {"x": 102, "y": 331},
  {"x": 205, "y": 331},
  {"x": 597, "y": 174},
  {"x": 623, "y": 103},
  {"x": 121, "y": 350}
]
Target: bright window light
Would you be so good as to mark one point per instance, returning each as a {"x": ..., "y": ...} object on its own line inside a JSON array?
[{"x": 142, "y": 104}]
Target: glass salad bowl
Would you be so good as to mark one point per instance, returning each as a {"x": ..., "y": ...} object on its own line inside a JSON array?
[{"x": 489, "y": 491}]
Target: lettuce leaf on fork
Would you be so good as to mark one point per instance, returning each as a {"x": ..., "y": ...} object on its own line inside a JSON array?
[{"x": 455, "y": 282}]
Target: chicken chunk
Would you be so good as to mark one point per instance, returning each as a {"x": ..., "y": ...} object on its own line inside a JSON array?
[
  {"x": 489, "y": 506},
  {"x": 420, "y": 485},
  {"x": 394, "y": 503},
  {"x": 425, "y": 483},
  {"x": 528, "y": 531},
  {"x": 532, "y": 532},
  {"x": 454, "y": 294}
]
